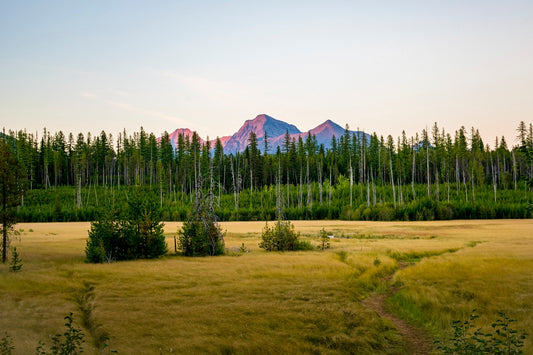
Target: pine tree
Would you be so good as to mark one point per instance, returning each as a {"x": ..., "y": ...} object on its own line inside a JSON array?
[
  {"x": 16, "y": 262},
  {"x": 201, "y": 235},
  {"x": 11, "y": 187}
]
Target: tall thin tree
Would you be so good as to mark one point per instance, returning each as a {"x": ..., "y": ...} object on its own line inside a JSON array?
[{"x": 11, "y": 188}]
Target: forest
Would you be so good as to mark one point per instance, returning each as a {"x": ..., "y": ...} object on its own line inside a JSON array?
[{"x": 432, "y": 176}]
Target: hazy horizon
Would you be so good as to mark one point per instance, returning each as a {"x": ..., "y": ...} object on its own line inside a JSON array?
[{"x": 209, "y": 66}]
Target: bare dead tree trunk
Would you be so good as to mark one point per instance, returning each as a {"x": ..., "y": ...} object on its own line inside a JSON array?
[
  {"x": 309, "y": 190},
  {"x": 300, "y": 190},
  {"x": 427, "y": 168},
  {"x": 464, "y": 184},
  {"x": 437, "y": 193},
  {"x": 514, "y": 170},
  {"x": 251, "y": 188},
  {"x": 330, "y": 189},
  {"x": 78, "y": 194},
  {"x": 392, "y": 179},
  {"x": 351, "y": 183},
  {"x": 494, "y": 179},
  {"x": 288, "y": 190},
  {"x": 235, "y": 186},
  {"x": 413, "y": 176},
  {"x": 373, "y": 188},
  {"x": 368, "y": 193},
  {"x": 400, "y": 186},
  {"x": 319, "y": 168},
  {"x": 457, "y": 176},
  {"x": 472, "y": 182},
  {"x": 279, "y": 197}
]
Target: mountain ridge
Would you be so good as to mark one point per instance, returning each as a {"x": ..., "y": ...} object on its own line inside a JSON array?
[{"x": 275, "y": 130}]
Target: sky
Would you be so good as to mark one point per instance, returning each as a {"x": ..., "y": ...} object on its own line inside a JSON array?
[{"x": 378, "y": 66}]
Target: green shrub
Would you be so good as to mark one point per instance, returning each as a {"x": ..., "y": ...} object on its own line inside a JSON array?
[
  {"x": 197, "y": 239},
  {"x": 102, "y": 231},
  {"x": 305, "y": 245},
  {"x": 201, "y": 235},
  {"x": 281, "y": 237},
  {"x": 138, "y": 233}
]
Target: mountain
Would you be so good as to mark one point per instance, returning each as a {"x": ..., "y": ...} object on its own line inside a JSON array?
[
  {"x": 328, "y": 129},
  {"x": 261, "y": 124},
  {"x": 323, "y": 134},
  {"x": 187, "y": 133},
  {"x": 275, "y": 130}
]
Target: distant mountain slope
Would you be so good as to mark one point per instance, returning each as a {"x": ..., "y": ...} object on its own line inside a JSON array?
[
  {"x": 323, "y": 134},
  {"x": 187, "y": 133},
  {"x": 326, "y": 131},
  {"x": 275, "y": 130},
  {"x": 259, "y": 125}
]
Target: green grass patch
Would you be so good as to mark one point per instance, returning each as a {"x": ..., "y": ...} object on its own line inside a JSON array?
[
  {"x": 416, "y": 256},
  {"x": 473, "y": 243}
]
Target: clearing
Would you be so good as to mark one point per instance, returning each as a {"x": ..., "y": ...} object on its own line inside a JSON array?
[{"x": 382, "y": 287}]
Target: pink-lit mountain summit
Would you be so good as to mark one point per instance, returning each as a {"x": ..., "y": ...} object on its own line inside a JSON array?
[{"x": 275, "y": 131}]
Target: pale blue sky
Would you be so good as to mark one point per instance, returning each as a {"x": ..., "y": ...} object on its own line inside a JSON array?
[{"x": 382, "y": 66}]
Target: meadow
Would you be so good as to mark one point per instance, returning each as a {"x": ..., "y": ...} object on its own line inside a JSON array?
[{"x": 426, "y": 273}]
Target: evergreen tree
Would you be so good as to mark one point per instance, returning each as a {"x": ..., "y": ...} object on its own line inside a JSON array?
[
  {"x": 136, "y": 234},
  {"x": 16, "y": 262},
  {"x": 201, "y": 235},
  {"x": 11, "y": 188}
]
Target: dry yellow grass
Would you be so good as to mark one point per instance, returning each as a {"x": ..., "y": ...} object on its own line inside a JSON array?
[{"x": 262, "y": 302}]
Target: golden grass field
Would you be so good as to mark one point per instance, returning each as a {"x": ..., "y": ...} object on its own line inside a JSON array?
[{"x": 259, "y": 302}]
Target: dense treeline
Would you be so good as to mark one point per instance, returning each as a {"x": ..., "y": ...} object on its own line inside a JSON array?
[{"x": 433, "y": 175}]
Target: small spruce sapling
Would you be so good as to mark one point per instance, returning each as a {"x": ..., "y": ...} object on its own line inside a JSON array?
[
  {"x": 16, "y": 262},
  {"x": 324, "y": 239}
]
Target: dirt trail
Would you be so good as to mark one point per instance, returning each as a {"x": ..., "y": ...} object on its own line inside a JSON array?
[{"x": 416, "y": 341}]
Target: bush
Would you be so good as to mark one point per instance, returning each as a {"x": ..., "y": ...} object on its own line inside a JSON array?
[
  {"x": 197, "y": 239},
  {"x": 103, "y": 240},
  {"x": 305, "y": 245},
  {"x": 201, "y": 235},
  {"x": 137, "y": 234},
  {"x": 282, "y": 237}
]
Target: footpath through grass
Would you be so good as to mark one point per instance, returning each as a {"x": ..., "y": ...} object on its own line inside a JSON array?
[{"x": 258, "y": 302}]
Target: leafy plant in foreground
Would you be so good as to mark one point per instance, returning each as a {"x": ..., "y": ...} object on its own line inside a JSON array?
[
  {"x": 6, "y": 345},
  {"x": 68, "y": 343},
  {"x": 468, "y": 339}
]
